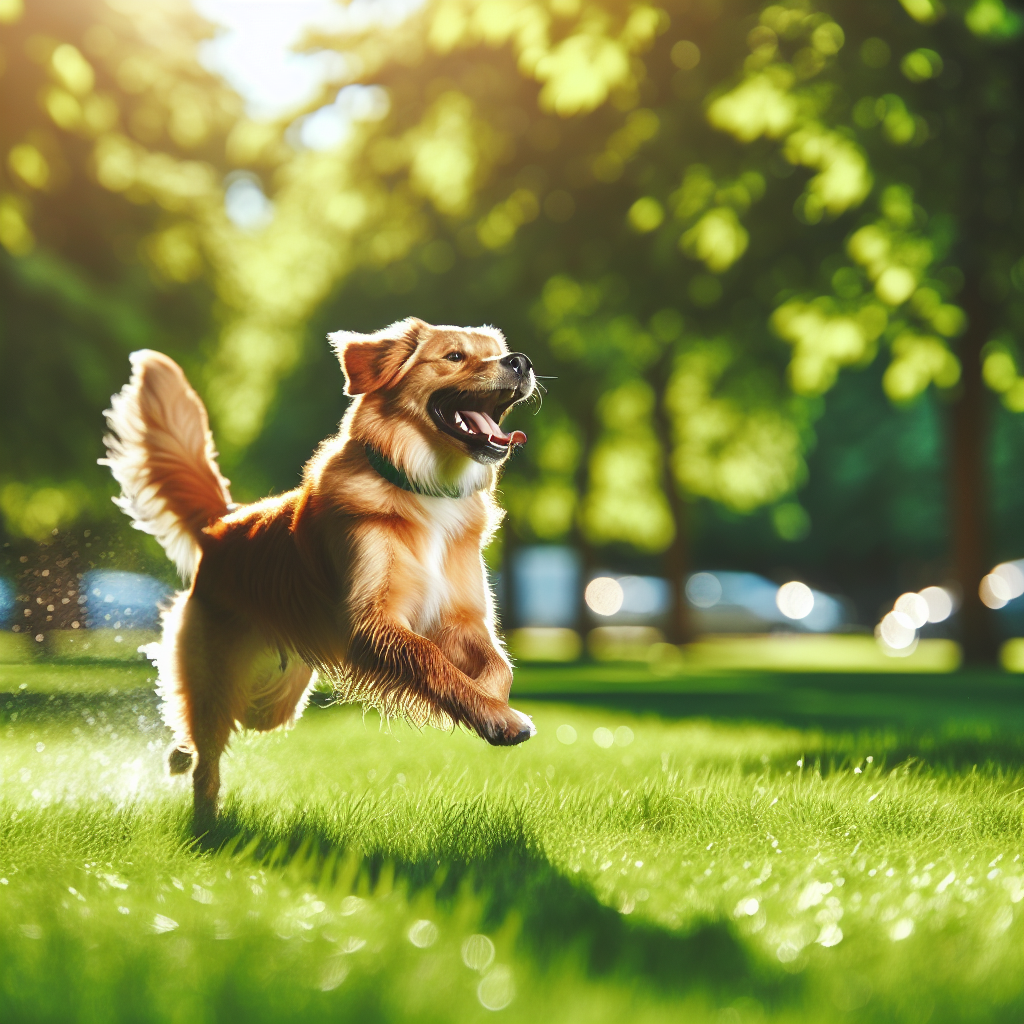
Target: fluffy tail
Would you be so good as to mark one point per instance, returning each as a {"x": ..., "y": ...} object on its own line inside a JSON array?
[{"x": 161, "y": 452}]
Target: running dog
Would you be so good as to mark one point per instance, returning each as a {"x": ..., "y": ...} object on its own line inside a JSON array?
[{"x": 369, "y": 573}]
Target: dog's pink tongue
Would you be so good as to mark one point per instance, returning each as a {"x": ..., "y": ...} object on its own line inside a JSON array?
[
  {"x": 497, "y": 434},
  {"x": 477, "y": 420},
  {"x": 485, "y": 424}
]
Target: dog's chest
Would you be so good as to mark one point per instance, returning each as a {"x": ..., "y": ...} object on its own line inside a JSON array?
[
  {"x": 435, "y": 586},
  {"x": 441, "y": 527}
]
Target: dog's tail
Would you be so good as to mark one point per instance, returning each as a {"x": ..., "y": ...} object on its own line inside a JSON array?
[{"x": 161, "y": 452}]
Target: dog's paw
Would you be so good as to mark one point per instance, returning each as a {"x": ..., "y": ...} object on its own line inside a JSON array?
[
  {"x": 507, "y": 728},
  {"x": 179, "y": 762}
]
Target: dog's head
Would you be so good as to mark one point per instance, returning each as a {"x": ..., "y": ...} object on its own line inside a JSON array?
[{"x": 454, "y": 384}]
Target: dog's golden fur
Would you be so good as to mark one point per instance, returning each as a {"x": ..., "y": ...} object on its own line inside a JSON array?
[{"x": 377, "y": 588}]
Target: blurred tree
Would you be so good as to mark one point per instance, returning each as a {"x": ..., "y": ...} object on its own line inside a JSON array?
[
  {"x": 930, "y": 101},
  {"x": 699, "y": 212},
  {"x": 683, "y": 185},
  {"x": 112, "y": 139},
  {"x": 521, "y": 139}
]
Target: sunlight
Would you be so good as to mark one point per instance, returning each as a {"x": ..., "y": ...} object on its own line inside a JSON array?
[{"x": 256, "y": 51}]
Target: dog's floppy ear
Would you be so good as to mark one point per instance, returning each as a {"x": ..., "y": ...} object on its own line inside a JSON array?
[{"x": 374, "y": 361}]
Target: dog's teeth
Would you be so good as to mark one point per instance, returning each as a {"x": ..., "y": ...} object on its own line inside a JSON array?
[{"x": 458, "y": 421}]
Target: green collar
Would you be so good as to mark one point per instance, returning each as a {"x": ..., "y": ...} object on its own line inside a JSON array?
[{"x": 394, "y": 475}]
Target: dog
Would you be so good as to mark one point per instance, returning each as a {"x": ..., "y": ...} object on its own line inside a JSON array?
[{"x": 369, "y": 574}]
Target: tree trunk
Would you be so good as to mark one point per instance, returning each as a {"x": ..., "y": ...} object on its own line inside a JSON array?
[
  {"x": 677, "y": 558},
  {"x": 969, "y": 485}
]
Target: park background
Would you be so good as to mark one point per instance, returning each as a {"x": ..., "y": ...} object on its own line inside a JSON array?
[
  {"x": 769, "y": 255},
  {"x": 768, "y": 259}
]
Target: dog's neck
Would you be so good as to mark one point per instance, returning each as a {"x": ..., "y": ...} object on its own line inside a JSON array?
[
  {"x": 397, "y": 476},
  {"x": 415, "y": 466}
]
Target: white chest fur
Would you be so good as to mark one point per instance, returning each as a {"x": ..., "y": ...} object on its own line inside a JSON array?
[{"x": 444, "y": 520}]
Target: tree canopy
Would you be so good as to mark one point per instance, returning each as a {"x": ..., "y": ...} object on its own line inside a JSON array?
[{"x": 695, "y": 215}]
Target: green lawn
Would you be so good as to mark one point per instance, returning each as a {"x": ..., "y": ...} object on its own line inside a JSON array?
[{"x": 699, "y": 850}]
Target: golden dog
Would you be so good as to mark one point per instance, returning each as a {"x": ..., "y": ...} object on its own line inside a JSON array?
[{"x": 369, "y": 573}]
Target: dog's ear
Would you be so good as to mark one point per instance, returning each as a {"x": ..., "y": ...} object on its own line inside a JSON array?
[{"x": 375, "y": 361}]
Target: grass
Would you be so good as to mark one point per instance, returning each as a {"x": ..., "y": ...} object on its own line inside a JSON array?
[{"x": 632, "y": 862}]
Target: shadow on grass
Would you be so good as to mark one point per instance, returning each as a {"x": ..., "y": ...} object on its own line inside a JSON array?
[
  {"x": 946, "y": 733},
  {"x": 63, "y": 707},
  {"x": 951, "y": 740},
  {"x": 559, "y": 920}
]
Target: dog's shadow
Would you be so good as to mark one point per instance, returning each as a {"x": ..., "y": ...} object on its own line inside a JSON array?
[{"x": 559, "y": 917}]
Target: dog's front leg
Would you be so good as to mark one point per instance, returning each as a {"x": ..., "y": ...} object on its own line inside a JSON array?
[
  {"x": 402, "y": 668},
  {"x": 468, "y": 643}
]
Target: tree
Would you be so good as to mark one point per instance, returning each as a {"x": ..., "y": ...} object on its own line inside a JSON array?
[
  {"x": 630, "y": 129},
  {"x": 699, "y": 213},
  {"x": 542, "y": 176},
  {"x": 820, "y": 95},
  {"x": 944, "y": 166},
  {"x": 113, "y": 147}
]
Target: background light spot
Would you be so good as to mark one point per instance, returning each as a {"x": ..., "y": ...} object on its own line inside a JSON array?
[
  {"x": 604, "y": 595},
  {"x": 423, "y": 934},
  {"x": 894, "y": 633},
  {"x": 703, "y": 590},
  {"x": 795, "y": 600},
  {"x": 1013, "y": 575},
  {"x": 940, "y": 604},
  {"x": 994, "y": 591},
  {"x": 478, "y": 952},
  {"x": 911, "y": 610},
  {"x": 497, "y": 990}
]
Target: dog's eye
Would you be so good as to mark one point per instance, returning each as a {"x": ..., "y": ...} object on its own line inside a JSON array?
[{"x": 455, "y": 357}]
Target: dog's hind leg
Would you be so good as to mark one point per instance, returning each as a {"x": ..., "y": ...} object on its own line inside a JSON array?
[{"x": 202, "y": 696}]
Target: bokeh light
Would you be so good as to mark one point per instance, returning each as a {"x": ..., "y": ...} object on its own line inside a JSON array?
[
  {"x": 940, "y": 603},
  {"x": 1012, "y": 574},
  {"x": 423, "y": 934},
  {"x": 497, "y": 989},
  {"x": 566, "y": 734},
  {"x": 245, "y": 203},
  {"x": 703, "y": 590},
  {"x": 478, "y": 952},
  {"x": 911, "y": 610},
  {"x": 604, "y": 595},
  {"x": 895, "y": 633},
  {"x": 795, "y": 600},
  {"x": 994, "y": 591}
]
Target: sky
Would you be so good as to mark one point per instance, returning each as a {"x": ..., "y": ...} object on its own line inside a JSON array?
[{"x": 255, "y": 49}]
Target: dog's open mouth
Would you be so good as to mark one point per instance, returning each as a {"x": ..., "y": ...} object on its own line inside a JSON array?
[{"x": 474, "y": 417}]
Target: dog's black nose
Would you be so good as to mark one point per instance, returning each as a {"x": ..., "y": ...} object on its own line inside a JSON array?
[{"x": 517, "y": 363}]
